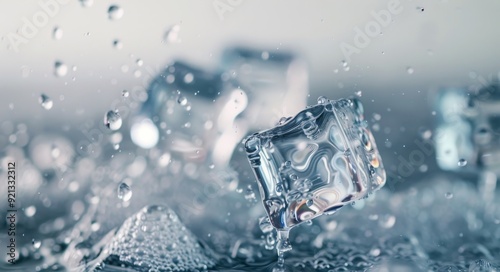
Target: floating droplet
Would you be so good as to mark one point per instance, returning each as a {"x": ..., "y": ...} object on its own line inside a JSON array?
[
  {"x": 117, "y": 44},
  {"x": 57, "y": 33},
  {"x": 410, "y": 70},
  {"x": 421, "y": 9},
  {"x": 30, "y": 211},
  {"x": 124, "y": 192},
  {"x": 87, "y": 3},
  {"x": 264, "y": 224},
  {"x": 139, "y": 62},
  {"x": 358, "y": 93},
  {"x": 322, "y": 100},
  {"x": 112, "y": 120},
  {"x": 182, "y": 100},
  {"x": 60, "y": 69},
  {"x": 45, "y": 101},
  {"x": 172, "y": 35},
  {"x": 115, "y": 12},
  {"x": 462, "y": 162},
  {"x": 387, "y": 221},
  {"x": 448, "y": 195},
  {"x": 125, "y": 93},
  {"x": 36, "y": 243}
]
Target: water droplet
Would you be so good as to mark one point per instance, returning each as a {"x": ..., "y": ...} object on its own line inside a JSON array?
[
  {"x": 87, "y": 3},
  {"x": 117, "y": 44},
  {"x": 57, "y": 33},
  {"x": 60, "y": 69},
  {"x": 322, "y": 100},
  {"x": 345, "y": 66},
  {"x": 182, "y": 100},
  {"x": 410, "y": 70},
  {"x": 421, "y": 9},
  {"x": 36, "y": 243},
  {"x": 310, "y": 203},
  {"x": 115, "y": 12},
  {"x": 112, "y": 120},
  {"x": 45, "y": 101},
  {"x": 359, "y": 93},
  {"x": 139, "y": 62},
  {"x": 264, "y": 55},
  {"x": 249, "y": 194},
  {"x": 172, "y": 35},
  {"x": 462, "y": 162},
  {"x": 144, "y": 133},
  {"x": 125, "y": 93},
  {"x": 387, "y": 221},
  {"x": 188, "y": 78},
  {"x": 448, "y": 195},
  {"x": 124, "y": 192}
]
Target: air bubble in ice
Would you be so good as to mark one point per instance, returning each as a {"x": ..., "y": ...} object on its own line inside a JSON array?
[
  {"x": 124, "y": 192},
  {"x": 462, "y": 162},
  {"x": 60, "y": 69},
  {"x": 45, "y": 101},
  {"x": 113, "y": 120},
  {"x": 57, "y": 33},
  {"x": 115, "y": 12}
]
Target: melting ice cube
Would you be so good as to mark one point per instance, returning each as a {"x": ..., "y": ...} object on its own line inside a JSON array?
[
  {"x": 468, "y": 133},
  {"x": 315, "y": 162}
]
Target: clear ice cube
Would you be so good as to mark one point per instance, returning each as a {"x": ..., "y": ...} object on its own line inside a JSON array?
[
  {"x": 315, "y": 162},
  {"x": 468, "y": 133}
]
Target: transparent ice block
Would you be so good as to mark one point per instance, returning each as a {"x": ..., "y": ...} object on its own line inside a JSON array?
[{"x": 315, "y": 162}]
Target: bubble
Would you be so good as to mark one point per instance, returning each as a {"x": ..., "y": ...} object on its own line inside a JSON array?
[
  {"x": 115, "y": 12},
  {"x": 124, "y": 192},
  {"x": 448, "y": 195},
  {"x": 57, "y": 33},
  {"x": 117, "y": 44},
  {"x": 125, "y": 93},
  {"x": 60, "y": 69},
  {"x": 112, "y": 120},
  {"x": 410, "y": 70},
  {"x": 45, "y": 101},
  {"x": 462, "y": 162},
  {"x": 36, "y": 243}
]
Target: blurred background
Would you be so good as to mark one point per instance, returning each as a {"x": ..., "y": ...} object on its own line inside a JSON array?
[{"x": 67, "y": 63}]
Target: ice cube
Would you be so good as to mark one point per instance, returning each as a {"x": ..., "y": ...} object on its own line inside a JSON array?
[
  {"x": 315, "y": 162},
  {"x": 468, "y": 132}
]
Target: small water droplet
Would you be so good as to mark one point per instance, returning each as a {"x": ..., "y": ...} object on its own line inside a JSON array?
[
  {"x": 359, "y": 93},
  {"x": 188, "y": 78},
  {"x": 448, "y": 195},
  {"x": 322, "y": 100},
  {"x": 115, "y": 12},
  {"x": 124, "y": 192},
  {"x": 310, "y": 203},
  {"x": 30, "y": 211},
  {"x": 125, "y": 93},
  {"x": 36, "y": 243},
  {"x": 265, "y": 225},
  {"x": 172, "y": 34},
  {"x": 139, "y": 62},
  {"x": 112, "y": 120},
  {"x": 87, "y": 3},
  {"x": 60, "y": 69},
  {"x": 421, "y": 9},
  {"x": 182, "y": 100},
  {"x": 117, "y": 44},
  {"x": 45, "y": 101},
  {"x": 57, "y": 33},
  {"x": 462, "y": 162},
  {"x": 410, "y": 70}
]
